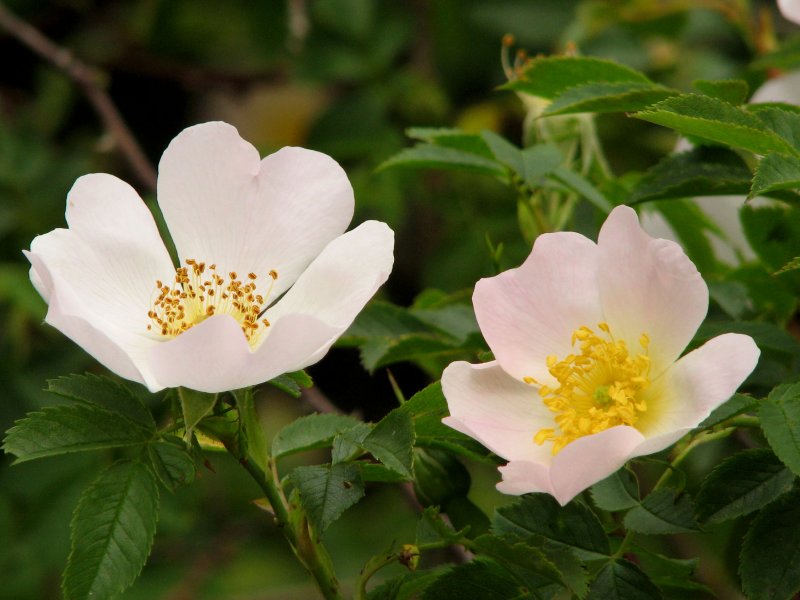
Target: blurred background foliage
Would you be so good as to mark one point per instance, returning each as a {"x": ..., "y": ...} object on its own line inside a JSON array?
[{"x": 346, "y": 77}]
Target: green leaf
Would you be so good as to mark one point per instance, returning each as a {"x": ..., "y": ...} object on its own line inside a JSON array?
[
  {"x": 452, "y": 138},
  {"x": 741, "y": 484},
  {"x": 104, "y": 393},
  {"x": 702, "y": 171},
  {"x": 663, "y": 511},
  {"x": 530, "y": 566},
  {"x": 477, "y": 579},
  {"x": 716, "y": 121},
  {"x": 548, "y": 77},
  {"x": 348, "y": 444},
  {"x": 736, "y": 405},
  {"x": 574, "y": 525},
  {"x": 623, "y": 96},
  {"x": 622, "y": 580},
  {"x": 670, "y": 574},
  {"x": 772, "y": 232},
  {"x": 775, "y": 172},
  {"x": 439, "y": 477},
  {"x": 373, "y": 472},
  {"x": 504, "y": 151},
  {"x": 195, "y": 405},
  {"x": 733, "y": 91},
  {"x": 780, "y": 421},
  {"x": 112, "y": 532},
  {"x": 786, "y": 123},
  {"x": 286, "y": 384},
  {"x": 433, "y": 156},
  {"x": 172, "y": 462},
  {"x": 308, "y": 432},
  {"x": 327, "y": 491},
  {"x": 61, "y": 429},
  {"x": 770, "y": 558},
  {"x": 619, "y": 491},
  {"x": 581, "y": 186},
  {"x": 427, "y": 408},
  {"x": 538, "y": 161},
  {"x": 391, "y": 441}
]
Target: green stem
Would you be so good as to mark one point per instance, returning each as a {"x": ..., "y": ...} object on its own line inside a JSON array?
[
  {"x": 682, "y": 453},
  {"x": 310, "y": 552}
]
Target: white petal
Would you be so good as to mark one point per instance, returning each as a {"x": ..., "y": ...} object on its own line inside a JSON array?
[
  {"x": 500, "y": 412},
  {"x": 100, "y": 273},
  {"x": 224, "y": 205},
  {"x": 529, "y": 313},
  {"x": 790, "y": 9},
  {"x": 341, "y": 280},
  {"x": 697, "y": 384},
  {"x": 590, "y": 459},
  {"x": 120, "y": 351},
  {"x": 648, "y": 286},
  {"x": 214, "y": 356}
]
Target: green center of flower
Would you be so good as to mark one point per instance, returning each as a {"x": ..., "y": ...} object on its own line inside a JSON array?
[
  {"x": 600, "y": 387},
  {"x": 199, "y": 292}
]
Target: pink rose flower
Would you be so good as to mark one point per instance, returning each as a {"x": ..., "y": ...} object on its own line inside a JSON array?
[{"x": 588, "y": 374}]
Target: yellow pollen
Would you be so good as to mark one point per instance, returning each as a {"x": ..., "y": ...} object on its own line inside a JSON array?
[
  {"x": 598, "y": 388},
  {"x": 193, "y": 298}
]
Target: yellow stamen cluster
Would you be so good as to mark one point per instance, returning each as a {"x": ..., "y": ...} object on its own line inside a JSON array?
[
  {"x": 199, "y": 292},
  {"x": 598, "y": 388}
]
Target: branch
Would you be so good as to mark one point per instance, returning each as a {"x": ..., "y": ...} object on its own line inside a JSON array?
[{"x": 91, "y": 80}]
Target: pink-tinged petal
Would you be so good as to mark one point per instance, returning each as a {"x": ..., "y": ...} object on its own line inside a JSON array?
[
  {"x": 500, "y": 412},
  {"x": 590, "y": 459},
  {"x": 214, "y": 356},
  {"x": 790, "y": 9},
  {"x": 529, "y": 313},
  {"x": 118, "y": 350},
  {"x": 698, "y": 383},
  {"x": 525, "y": 477},
  {"x": 224, "y": 205},
  {"x": 341, "y": 280},
  {"x": 648, "y": 286}
]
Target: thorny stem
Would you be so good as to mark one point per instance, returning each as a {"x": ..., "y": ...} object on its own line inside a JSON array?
[{"x": 91, "y": 80}]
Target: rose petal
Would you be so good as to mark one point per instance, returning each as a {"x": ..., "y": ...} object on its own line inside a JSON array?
[
  {"x": 790, "y": 9},
  {"x": 578, "y": 466},
  {"x": 648, "y": 286},
  {"x": 529, "y": 313},
  {"x": 525, "y": 477},
  {"x": 225, "y": 206},
  {"x": 118, "y": 350},
  {"x": 214, "y": 356},
  {"x": 590, "y": 459},
  {"x": 502, "y": 413},
  {"x": 341, "y": 280},
  {"x": 697, "y": 384},
  {"x": 99, "y": 275}
]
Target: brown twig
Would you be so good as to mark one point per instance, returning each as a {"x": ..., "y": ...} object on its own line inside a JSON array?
[{"x": 91, "y": 80}]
